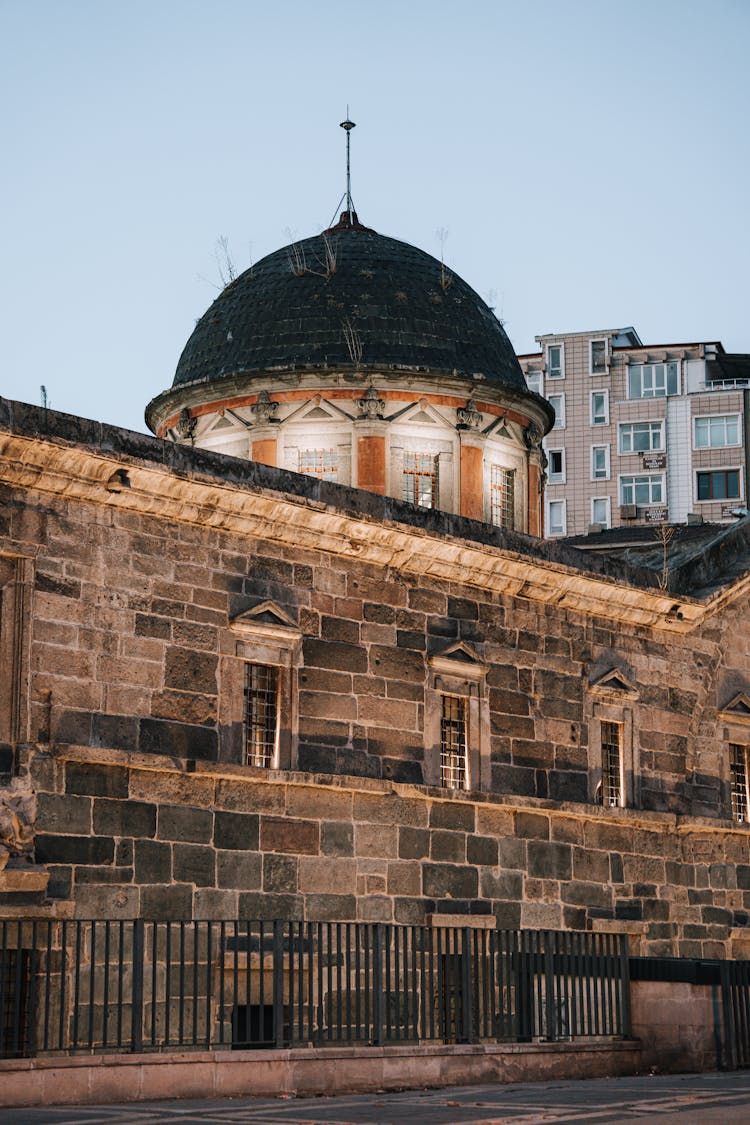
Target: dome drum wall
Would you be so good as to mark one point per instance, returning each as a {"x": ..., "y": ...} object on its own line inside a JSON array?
[{"x": 358, "y": 358}]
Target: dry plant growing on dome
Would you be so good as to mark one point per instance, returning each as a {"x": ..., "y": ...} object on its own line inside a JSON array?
[
  {"x": 353, "y": 342},
  {"x": 664, "y": 535},
  {"x": 224, "y": 261}
]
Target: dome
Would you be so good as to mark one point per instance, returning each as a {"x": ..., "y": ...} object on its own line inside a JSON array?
[{"x": 349, "y": 299}]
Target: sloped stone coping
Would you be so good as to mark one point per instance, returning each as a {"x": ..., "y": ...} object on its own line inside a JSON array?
[{"x": 303, "y": 1071}]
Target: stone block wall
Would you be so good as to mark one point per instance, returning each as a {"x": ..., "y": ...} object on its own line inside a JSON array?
[{"x": 149, "y": 838}]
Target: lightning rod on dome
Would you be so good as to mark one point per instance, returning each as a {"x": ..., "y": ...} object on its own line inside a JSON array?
[{"x": 347, "y": 126}]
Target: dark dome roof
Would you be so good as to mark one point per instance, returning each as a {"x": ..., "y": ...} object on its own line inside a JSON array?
[{"x": 289, "y": 310}]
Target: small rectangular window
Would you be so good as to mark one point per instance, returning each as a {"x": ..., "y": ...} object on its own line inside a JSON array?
[
  {"x": 454, "y": 772},
  {"x": 598, "y": 357},
  {"x": 642, "y": 490},
  {"x": 653, "y": 380},
  {"x": 612, "y": 787},
  {"x": 641, "y": 437},
  {"x": 556, "y": 467},
  {"x": 557, "y": 402},
  {"x": 738, "y": 781},
  {"x": 320, "y": 463},
  {"x": 600, "y": 462},
  {"x": 502, "y": 496},
  {"x": 719, "y": 484},
  {"x": 261, "y": 715},
  {"x": 600, "y": 509},
  {"x": 555, "y": 361},
  {"x": 420, "y": 483},
  {"x": 556, "y": 517},
  {"x": 535, "y": 381},
  {"x": 599, "y": 408},
  {"x": 717, "y": 432}
]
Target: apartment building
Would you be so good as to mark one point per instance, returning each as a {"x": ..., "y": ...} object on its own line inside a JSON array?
[{"x": 643, "y": 433}]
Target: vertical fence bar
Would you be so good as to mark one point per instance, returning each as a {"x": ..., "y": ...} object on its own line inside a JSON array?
[
  {"x": 168, "y": 983},
  {"x": 154, "y": 936},
  {"x": 377, "y": 984},
  {"x": 136, "y": 1018}
]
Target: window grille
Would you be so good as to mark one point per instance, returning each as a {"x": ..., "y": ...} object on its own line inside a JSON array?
[
  {"x": 738, "y": 781},
  {"x": 320, "y": 463},
  {"x": 421, "y": 479},
  {"x": 612, "y": 789},
  {"x": 453, "y": 742},
  {"x": 502, "y": 496},
  {"x": 261, "y": 715}
]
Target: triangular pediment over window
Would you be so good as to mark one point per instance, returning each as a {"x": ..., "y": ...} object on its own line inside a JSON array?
[
  {"x": 318, "y": 410},
  {"x": 459, "y": 659},
  {"x": 421, "y": 412},
  {"x": 615, "y": 682},
  {"x": 738, "y": 708},
  {"x": 266, "y": 620}
]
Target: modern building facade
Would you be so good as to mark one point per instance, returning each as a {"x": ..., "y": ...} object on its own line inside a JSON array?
[{"x": 643, "y": 434}]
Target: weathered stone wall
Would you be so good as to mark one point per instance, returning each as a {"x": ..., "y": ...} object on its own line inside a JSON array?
[
  {"x": 132, "y": 659},
  {"x": 150, "y": 838}
]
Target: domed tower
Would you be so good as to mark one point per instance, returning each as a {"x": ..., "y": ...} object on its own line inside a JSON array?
[{"x": 357, "y": 358}]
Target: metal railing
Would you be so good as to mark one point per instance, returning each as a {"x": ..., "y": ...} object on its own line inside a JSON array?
[
  {"x": 105, "y": 986},
  {"x": 734, "y": 977}
]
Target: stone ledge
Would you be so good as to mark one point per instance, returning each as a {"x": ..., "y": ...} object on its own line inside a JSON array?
[
  {"x": 623, "y": 817},
  {"x": 303, "y": 1071},
  {"x": 463, "y": 921}
]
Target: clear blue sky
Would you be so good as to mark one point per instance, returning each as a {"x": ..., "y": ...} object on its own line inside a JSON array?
[{"x": 589, "y": 160}]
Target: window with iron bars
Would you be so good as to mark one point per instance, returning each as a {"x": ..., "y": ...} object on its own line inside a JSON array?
[
  {"x": 421, "y": 479},
  {"x": 454, "y": 773},
  {"x": 612, "y": 787},
  {"x": 320, "y": 463},
  {"x": 261, "y": 715},
  {"x": 502, "y": 497},
  {"x": 738, "y": 781}
]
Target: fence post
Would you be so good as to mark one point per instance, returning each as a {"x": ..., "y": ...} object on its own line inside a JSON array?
[
  {"x": 467, "y": 1014},
  {"x": 278, "y": 984},
  {"x": 136, "y": 1018},
  {"x": 626, "y": 1030},
  {"x": 728, "y": 1061},
  {"x": 377, "y": 984},
  {"x": 549, "y": 985}
]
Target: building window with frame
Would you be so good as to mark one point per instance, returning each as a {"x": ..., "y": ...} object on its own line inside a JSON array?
[
  {"x": 738, "y": 781},
  {"x": 454, "y": 765},
  {"x": 556, "y": 466},
  {"x": 535, "y": 382},
  {"x": 420, "y": 479},
  {"x": 653, "y": 380},
  {"x": 600, "y": 511},
  {"x": 320, "y": 463},
  {"x": 557, "y": 402},
  {"x": 502, "y": 496},
  {"x": 718, "y": 484},
  {"x": 555, "y": 361},
  {"x": 613, "y": 793},
  {"x": 642, "y": 490},
  {"x": 556, "y": 517},
  {"x": 599, "y": 408},
  {"x": 261, "y": 715},
  {"x": 598, "y": 357},
  {"x": 641, "y": 437},
  {"x": 600, "y": 462},
  {"x": 717, "y": 431}
]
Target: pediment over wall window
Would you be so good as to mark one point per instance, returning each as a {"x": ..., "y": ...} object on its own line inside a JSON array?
[
  {"x": 614, "y": 684},
  {"x": 319, "y": 410},
  {"x": 459, "y": 659},
  {"x": 738, "y": 708},
  {"x": 268, "y": 621}
]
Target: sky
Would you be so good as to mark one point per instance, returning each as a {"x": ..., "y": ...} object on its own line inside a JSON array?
[{"x": 587, "y": 161}]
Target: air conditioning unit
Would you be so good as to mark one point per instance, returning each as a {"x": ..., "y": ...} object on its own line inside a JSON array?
[{"x": 628, "y": 512}]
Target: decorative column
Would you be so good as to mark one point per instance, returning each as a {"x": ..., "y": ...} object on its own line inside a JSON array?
[
  {"x": 371, "y": 433},
  {"x": 471, "y": 501},
  {"x": 263, "y": 443},
  {"x": 537, "y": 479}
]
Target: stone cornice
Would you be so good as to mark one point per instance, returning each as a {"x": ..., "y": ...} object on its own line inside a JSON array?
[{"x": 74, "y": 470}]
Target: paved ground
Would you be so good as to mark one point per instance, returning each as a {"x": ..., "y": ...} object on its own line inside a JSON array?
[{"x": 690, "y": 1099}]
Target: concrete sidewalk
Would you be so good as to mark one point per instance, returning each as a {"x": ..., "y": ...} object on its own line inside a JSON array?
[{"x": 690, "y": 1099}]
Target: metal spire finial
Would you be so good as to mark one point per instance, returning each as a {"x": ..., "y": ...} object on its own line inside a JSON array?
[{"x": 348, "y": 126}]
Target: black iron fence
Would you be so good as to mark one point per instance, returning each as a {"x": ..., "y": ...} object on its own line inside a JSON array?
[
  {"x": 100, "y": 986},
  {"x": 734, "y": 978}
]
